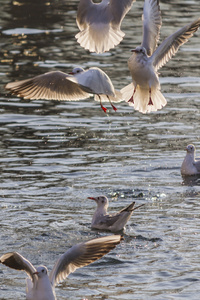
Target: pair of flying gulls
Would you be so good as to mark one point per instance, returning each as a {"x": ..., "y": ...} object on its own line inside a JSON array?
[
  {"x": 99, "y": 25},
  {"x": 40, "y": 285}
]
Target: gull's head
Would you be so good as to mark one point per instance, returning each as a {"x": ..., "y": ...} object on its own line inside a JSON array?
[
  {"x": 140, "y": 50},
  {"x": 190, "y": 148},
  {"x": 41, "y": 271},
  {"x": 76, "y": 71},
  {"x": 101, "y": 201}
]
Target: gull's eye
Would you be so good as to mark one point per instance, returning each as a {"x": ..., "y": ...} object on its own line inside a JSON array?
[
  {"x": 141, "y": 50},
  {"x": 43, "y": 271}
]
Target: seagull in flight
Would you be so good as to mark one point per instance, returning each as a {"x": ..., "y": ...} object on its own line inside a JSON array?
[
  {"x": 112, "y": 222},
  {"x": 40, "y": 285},
  {"x": 144, "y": 91},
  {"x": 99, "y": 23},
  {"x": 190, "y": 165},
  {"x": 77, "y": 85}
]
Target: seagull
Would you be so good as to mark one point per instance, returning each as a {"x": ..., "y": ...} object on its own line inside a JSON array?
[
  {"x": 144, "y": 91},
  {"x": 99, "y": 23},
  {"x": 114, "y": 222},
  {"x": 79, "y": 84},
  {"x": 40, "y": 286},
  {"x": 190, "y": 165}
]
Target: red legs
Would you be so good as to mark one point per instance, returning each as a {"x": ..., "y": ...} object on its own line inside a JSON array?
[
  {"x": 104, "y": 108},
  {"x": 131, "y": 99},
  {"x": 150, "y": 100},
  {"x": 111, "y": 104}
]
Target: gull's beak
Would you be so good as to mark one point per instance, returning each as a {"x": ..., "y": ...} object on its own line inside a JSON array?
[
  {"x": 71, "y": 73},
  {"x": 133, "y": 50},
  {"x": 35, "y": 273},
  {"x": 92, "y": 198}
]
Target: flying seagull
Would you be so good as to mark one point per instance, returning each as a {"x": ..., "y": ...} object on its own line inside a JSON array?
[
  {"x": 112, "y": 222},
  {"x": 144, "y": 91},
  {"x": 79, "y": 84},
  {"x": 99, "y": 23},
  {"x": 190, "y": 165},
  {"x": 40, "y": 285}
]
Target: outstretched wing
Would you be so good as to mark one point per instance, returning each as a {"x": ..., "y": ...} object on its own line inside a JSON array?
[
  {"x": 82, "y": 255},
  {"x": 54, "y": 85},
  {"x": 170, "y": 45},
  {"x": 16, "y": 261},
  {"x": 151, "y": 25},
  {"x": 118, "y": 9}
]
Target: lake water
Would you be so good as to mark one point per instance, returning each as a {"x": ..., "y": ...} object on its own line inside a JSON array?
[{"x": 53, "y": 155}]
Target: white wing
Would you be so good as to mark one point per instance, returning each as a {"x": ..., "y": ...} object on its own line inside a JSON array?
[
  {"x": 170, "y": 45},
  {"x": 151, "y": 25},
  {"x": 96, "y": 81},
  {"x": 82, "y": 255},
  {"x": 54, "y": 85},
  {"x": 16, "y": 261}
]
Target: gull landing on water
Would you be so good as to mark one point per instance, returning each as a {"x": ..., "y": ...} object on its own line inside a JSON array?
[
  {"x": 40, "y": 286},
  {"x": 112, "y": 222},
  {"x": 99, "y": 23},
  {"x": 190, "y": 165},
  {"x": 144, "y": 92},
  {"x": 79, "y": 84}
]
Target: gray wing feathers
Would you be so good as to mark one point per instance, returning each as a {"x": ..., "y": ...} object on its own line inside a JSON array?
[
  {"x": 151, "y": 25},
  {"x": 54, "y": 85},
  {"x": 170, "y": 45},
  {"x": 82, "y": 255},
  {"x": 16, "y": 261},
  {"x": 119, "y": 8}
]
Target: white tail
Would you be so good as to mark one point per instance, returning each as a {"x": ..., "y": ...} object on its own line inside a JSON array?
[{"x": 99, "y": 37}]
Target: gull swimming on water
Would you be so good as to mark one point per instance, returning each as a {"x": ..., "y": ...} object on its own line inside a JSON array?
[
  {"x": 112, "y": 222},
  {"x": 79, "y": 84},
  {"x": 144, "y": 92},
  {"x": 190, "y": 165},
  {"x": 40, "y": 286},
  {"x": 99, "y": 23}
]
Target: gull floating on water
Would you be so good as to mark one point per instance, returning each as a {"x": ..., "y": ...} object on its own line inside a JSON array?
[
  {"x": 40, "y": 286},
  {"x": 144, "y": 92},
  {"x": 190, "y": 165},
  {"x": 99, "y": 23},
  {"x": 113, "y": 222},
  {"x": 79, "y": 84}
]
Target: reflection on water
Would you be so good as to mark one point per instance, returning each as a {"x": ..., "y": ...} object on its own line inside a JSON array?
[{"x": 53, "y": 155}]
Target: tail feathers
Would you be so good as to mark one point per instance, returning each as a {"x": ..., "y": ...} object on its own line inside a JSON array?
[
  {"x": 141, "y": 99},
  {"x": 104, "y": 98},
  {"x": 129, "y": 208},
  {"x": 99, "y": 38},
  {"x": 127, "y": 93}
]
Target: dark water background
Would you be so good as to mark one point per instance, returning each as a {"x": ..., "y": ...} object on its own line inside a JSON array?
[{"x": 53, "y": 155}]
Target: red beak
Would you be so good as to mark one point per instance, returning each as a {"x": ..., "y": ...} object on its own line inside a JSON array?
[
  {"x": 71, "y": 73},
  {"x": 35, "y": 273},
  {"x": 92, "y": 198},
  {"x": 133, "y": 50}
]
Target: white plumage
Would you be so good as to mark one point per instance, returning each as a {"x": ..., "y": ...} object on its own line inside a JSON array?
[
  {"x": 40, "y": 286},
  {"x": 190, "y": 165},
  {"x": 99, "y": 23},
  {"x": 144, "y": 93}
]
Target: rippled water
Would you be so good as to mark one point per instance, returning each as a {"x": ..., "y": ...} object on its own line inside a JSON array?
[{"x": 53, "y": 155}]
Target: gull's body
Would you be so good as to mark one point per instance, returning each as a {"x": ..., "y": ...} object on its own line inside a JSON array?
[
  {"x": 99, "y": 23},
  {"x": 40, "y": 286},
  {"x": 112, "y": 222},
  {"x": 56, "y": 85},
  {"x": 144, "y": 91},
  {"x": 190, "y": 165}
]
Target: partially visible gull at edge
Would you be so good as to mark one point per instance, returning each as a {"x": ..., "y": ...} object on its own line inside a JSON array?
[
  {"x": 99, "y": 23},
  {"x": 39, "y": 285},
  {"x": 191, "y": 164},
  {"x": 144, "y": 91}
]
